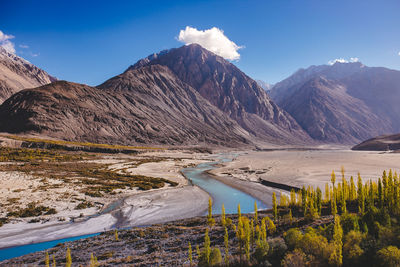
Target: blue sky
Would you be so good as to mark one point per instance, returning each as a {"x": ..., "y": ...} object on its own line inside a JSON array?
[{"x": 91, "y": 41}]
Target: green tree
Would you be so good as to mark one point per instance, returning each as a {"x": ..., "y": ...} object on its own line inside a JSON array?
[
  {"x": 215, "y": 257},
  {"x": 343, "y": 207},
  {"x": 333, "y": 205},
  {"x": 271, "y": 226},
  {"x": 93, "y": 261},
  {"x": 54, "y": 261},
  {"x": 389, "y": 256},
  {"x": 352, "y": 250},
  {"x": 360, "y": 195},
  {"x": 274, "y": 206},
  {"x": 292, "y": 238},
  {"x": 247, "y": 239},
  {"x": 327, "y": 193},
  {"x": 207, "y": 247},
  {"x": 380, "y": 193},
  {"x": 198, "y": 252},
  {"x": 190, "y": 254},
  {"x": 319, "y": 200},
  {"x": 226, "y": 244},
  {"x": 303, "y": 199},
  {"x": 239, "y": 212},
  {"x": 292, "y": 198},
  {"x": 116, "y": 235},
  {"x": 223, "y": 220},
  {"x": 295, "y": 258},
  {"x": 210, "y": 219},
  {"x": 353, "y": 193},
  {"x": 47, "y": 260},
  {"x": 333, "y": 178},
  {"x": 68, "y": 258},
  {"x": 255, "y": 212},
  {"x": 336, "y": 257}
]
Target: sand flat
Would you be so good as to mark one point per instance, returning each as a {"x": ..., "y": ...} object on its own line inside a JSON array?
[{"x": 310, "y": 167}]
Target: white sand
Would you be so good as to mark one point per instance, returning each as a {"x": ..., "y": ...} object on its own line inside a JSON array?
[
  {"x": 142, "y": 209},
  {"x": 313, "y": 167},
  {"x": 139, "y": 208}
]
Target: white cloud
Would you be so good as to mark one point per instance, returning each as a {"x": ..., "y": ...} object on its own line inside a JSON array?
[
  {"x": 6, "y": 43},
  {"x": 342, "y": 60},
  {"x": 24, "y": 46},
  {"x": 212, "y": 39},
  {"x": 399, "y": 53}
]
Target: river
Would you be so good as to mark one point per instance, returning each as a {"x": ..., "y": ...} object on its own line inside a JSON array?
[{"x": 220, "y": 193}]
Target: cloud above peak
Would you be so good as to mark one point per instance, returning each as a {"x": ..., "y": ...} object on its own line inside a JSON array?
[
  {"x": 6, "y": 43},
  {"x": 212, "y": 39},
  {"x": 342, "y": 60}
]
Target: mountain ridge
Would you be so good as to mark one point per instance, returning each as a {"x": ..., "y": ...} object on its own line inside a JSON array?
[
  {"x": 232, "y": 91},
  {"x": 17, "y": 74},
  {"x": 358, "y": 103}
]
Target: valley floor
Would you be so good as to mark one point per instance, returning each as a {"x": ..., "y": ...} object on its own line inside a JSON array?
[
  {"x": 307, "y": 167},
  {"x": 131, "y": 207},
  {"x": 78, "y": 212}
]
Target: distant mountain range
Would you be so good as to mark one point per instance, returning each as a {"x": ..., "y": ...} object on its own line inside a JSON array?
[
  {"x": 185, "y": 96},
  {"x": 264, "y": 85},
  {"x": 342, "y": 103},
  {"x": 190, "y": 96},
  {"x": 16, "y": 74}
]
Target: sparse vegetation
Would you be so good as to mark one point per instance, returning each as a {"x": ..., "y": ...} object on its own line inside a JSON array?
[
  {"x": 61, "y": 143},
  {"x": 32, "y": 210}
]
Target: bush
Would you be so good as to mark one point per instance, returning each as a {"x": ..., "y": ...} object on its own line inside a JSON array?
[
  {"x": 389, "y": 256},
  {"x": 292, "y": 238},
  {"x": 261, "y": 252},
  {"x": 277, "y": 250},
  {"x": 215, "y": 257},
  {"x": 296, "y": 258},
  {"x": 352, "y": 250}
]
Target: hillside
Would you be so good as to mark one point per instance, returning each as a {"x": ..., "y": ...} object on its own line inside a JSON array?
[
  {"x": 16, "y": 74},
  {"x": 150, "y": 105}
]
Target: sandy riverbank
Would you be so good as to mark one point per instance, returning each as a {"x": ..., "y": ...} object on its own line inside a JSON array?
[
  {"x": 310, "y": 167},
  {"x": 142, "y": 209},
  {"x": 139, "y": 207}
]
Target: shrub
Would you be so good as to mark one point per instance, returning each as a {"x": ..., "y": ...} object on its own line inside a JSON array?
[
  {"x": 389, "y": 256},
  {"x": 292, "y": 238},
  {"x": 296, "y": 258},
  {"x": 351, "y": 248},
  {"x": 215, "y": 257}
]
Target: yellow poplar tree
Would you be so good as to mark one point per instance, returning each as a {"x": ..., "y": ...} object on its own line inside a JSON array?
[
  {"x": 47, "y": 260},
  {"x": 68, "y": 258}
]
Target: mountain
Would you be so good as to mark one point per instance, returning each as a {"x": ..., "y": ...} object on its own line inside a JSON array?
[
  {"x": 342, "y": 103},
  {"x": 16, "y": 74},
  {"x": 380, "y": 143},
  {"x": 337, "y": 71},
  {"x": 264, "y": 85},
  {"x": 232, "y": 91},
  {"x": 149, "y": 105},
  {"x": 327, "y": 113}
]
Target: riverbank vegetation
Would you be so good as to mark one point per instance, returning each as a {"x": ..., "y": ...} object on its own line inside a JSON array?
[
  {"x": 48, "y": 176},
  {"x": 362, "y": 228},
  {"x": 351, "y": 223}
]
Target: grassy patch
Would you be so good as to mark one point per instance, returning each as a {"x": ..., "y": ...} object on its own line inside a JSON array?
[
  {"x": 84, "y": 205},
  {"x": 38, "y": 155},
  {"x": 83, "y": 144},
  {"x": 32, "y": 210}
]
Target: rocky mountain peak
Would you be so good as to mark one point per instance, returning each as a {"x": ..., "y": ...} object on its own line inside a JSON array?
[
  {"x": 226, "y": 87},
  {"x": 17, "y": 73}
]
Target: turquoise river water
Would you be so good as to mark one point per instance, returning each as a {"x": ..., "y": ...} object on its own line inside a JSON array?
[{"x": 220, "y": 193}]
